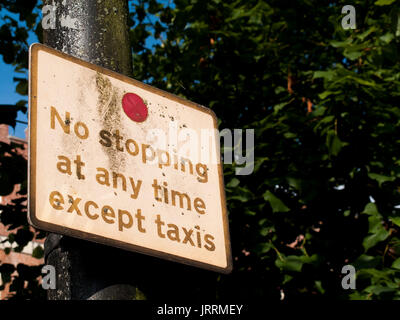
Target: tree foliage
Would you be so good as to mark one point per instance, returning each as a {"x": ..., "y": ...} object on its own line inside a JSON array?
[
  {"x": 324, "y": 105},
  {"x": 18, "y": 19}
]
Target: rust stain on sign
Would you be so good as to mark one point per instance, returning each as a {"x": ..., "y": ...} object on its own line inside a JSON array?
[{"x": 109, "y": 112}]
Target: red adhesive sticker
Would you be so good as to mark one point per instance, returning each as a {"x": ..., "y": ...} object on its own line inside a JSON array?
[{"x": 134, "y": 107}]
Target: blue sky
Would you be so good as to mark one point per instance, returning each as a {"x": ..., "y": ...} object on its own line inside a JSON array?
[
  {"x": 9, "y": 96},
  {"x": 7, "y": 85}
]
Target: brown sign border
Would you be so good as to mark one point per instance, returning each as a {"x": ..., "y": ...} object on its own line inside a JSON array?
[{"x": 35, "y": 222}]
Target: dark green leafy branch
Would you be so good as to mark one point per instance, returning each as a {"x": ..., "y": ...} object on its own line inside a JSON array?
[{"x": 324, "y": 104}]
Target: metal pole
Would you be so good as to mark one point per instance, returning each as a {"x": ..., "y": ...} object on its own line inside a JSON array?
[{"x": 95, "y": 31}]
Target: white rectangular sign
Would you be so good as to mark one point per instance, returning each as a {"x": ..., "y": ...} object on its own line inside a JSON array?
[{"x": 118, "y": 162}]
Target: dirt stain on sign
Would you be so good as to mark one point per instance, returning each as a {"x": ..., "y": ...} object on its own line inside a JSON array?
[{"x": 109, "y": 110}]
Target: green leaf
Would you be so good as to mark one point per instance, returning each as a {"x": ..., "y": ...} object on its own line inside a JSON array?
[
  {"x": 287, "y": 278},
  {"x": 363, "y": 82},
  {"x": 259, "y": 162},
  {"x": 264, "y": 231},
  {"x": 233, "y": 183},
  {"x": 333, "y": 143},
  {"x": 319, "y": 287},
  {"x": 395, "y": 220},
  {"x": 250, "y": 212},
  {"x": 241, "y": 194},
  {"x": 396, "y": 264},
  {"x": 328, "y": 75},
  {"x": 340, "y": 44},
  {"x": 387, "y": 37},
  {"x": 38, "y": 252},
  {"x": 375, "y": 223},
  {"x": 384, "y": 2},
  {"x": 241, "y": 198},
  {"x": 352, "y": 55},
  {"x": 327, "y": 119},
  {"x": 365, "y": 261},
  {"x": 377, "y": 275},
  {"x": 378, "y": 289},
  {"x": 279, "y": 90},
  {"x": 11, "y": 238},
  {"x": 294, "y": 263},
  {"x": 22, "y": 103},
  {"x": 371, "y": 240},
  {"x": 294, "y": 183},
  {"x": 371, "y": 209},
  {"x": 363, "y": 35},
  {"x": 22, "y": 87},
  {"x": 358, "y": 296},
  {"x": 263, "y": 248},
  {"x": 290, "y": 263},
  {"x": 280, "y": 106},
  {"x": 326, "y": 94},
  {"x": 276, "y": 204},
  {"x": 319, "y": 111},
  {"x": 377, "y": 232},
  {"x": 289, "y": 135},
  {"x": 380, "y": 178},
  {"x": 396, "y": 23}
]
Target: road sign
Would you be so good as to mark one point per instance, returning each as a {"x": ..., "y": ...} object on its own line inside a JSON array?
[{"x": 115, "y": 161}]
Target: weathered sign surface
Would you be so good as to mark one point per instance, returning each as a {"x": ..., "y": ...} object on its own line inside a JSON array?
[{"x": 118, "y": 162}]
